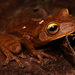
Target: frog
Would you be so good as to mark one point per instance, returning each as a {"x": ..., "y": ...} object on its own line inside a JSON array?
[{"x": 33, "y": 33}]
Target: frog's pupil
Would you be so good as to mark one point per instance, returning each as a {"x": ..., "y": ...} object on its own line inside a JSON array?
[{"x": 53, "y": 28}]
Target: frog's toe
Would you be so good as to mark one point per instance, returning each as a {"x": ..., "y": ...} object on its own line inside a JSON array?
[
  {"x": 47, "y": 56},
  {"x": 11, "y": 57},
  {"x": 18, "y": 61},
  {"x": 5, "y": 63},
  {"x": 36, "y": 54},
  {"x": 8, "y": 59}
]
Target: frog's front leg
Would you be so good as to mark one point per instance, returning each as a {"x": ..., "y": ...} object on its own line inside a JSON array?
[
  {"x": 30, "y": 47},
  {"x": 10, "y": 44}
]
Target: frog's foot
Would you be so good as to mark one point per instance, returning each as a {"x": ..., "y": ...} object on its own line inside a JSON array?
[
  {"x": 40, "y": 54},
  {"x": 10, "y": 57},
  {"x": 47, "y": 56}
]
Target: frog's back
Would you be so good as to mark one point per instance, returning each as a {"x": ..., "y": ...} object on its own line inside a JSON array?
[{"x": 25, "y": 27}]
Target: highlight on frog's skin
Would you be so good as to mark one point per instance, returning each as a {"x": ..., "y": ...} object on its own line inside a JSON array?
[{"x": 52, "y": 28}]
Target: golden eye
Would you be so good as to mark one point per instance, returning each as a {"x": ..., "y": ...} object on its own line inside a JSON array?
[
  {"x": 52, "y": 28},
  {"x": 69, "y": 12}
]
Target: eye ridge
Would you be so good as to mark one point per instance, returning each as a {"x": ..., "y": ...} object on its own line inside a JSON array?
[{"x": 52, "y": 28}]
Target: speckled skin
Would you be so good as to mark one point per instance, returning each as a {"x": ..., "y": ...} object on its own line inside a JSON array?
[{"x": 32, "y": 33}]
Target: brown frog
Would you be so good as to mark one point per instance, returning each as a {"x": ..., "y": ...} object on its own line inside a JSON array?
[{"x": 34, "y": 33}]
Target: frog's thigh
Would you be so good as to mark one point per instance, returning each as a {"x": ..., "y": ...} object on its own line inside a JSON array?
[{"x": 11, "y": 43}]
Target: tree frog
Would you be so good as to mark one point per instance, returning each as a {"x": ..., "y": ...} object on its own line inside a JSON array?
[{"x": 35, "y": 33}]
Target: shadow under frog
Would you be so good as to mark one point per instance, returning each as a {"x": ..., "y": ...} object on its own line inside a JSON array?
[{"x": 34, "y": 33}]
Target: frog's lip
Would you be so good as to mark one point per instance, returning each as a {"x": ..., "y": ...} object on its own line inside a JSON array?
[{"x": 63, "y": 35}]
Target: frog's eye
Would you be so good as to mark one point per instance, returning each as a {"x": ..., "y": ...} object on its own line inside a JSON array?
[
  {"x": 69, "y": 12},
  {"x": 52, "y": 28}
]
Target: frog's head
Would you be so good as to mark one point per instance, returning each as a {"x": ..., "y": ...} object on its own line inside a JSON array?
[{"x": 57, "y": 26}]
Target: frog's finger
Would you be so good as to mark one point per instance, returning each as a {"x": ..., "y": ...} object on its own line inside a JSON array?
[{"x": 47, "y": 56}]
